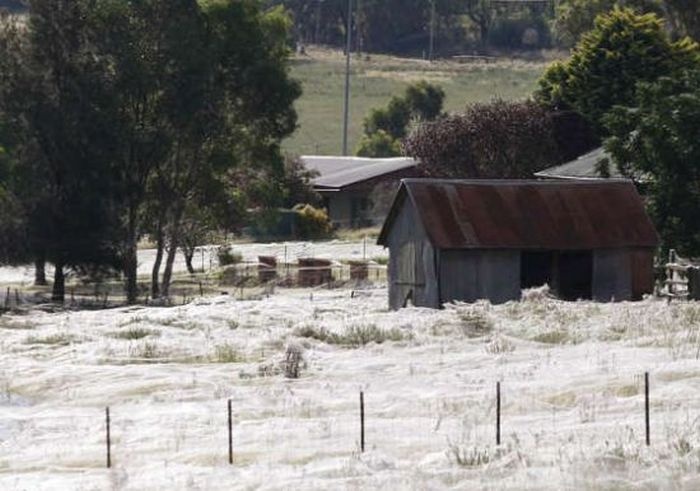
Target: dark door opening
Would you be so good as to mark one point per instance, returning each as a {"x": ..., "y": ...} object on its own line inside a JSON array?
[
  {"x": 536, "y": 268},
  {"x": 575, "y": 275}
]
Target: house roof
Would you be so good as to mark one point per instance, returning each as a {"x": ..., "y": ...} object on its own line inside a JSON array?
[
  {"x": 336, "y": 173},
  {"x": 527, "y": 214},
  {"x": 584, "y": 167}
]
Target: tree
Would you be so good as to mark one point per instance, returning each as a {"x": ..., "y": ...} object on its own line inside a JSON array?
[
  {"x": 494, "y": 140},
  {"x": 55, "y": 97},
  {"x": 481, "y": 13},
  {"x": 574, "y": 18},
  {"x": 201, "y": 89},
  {"x": 656, "y": 142},
  {"x": 379, "y": 144},
  {"x": 130, "y": 114},
  {"x": 623, "y": 49},
  {"x": 384, "y": 127},
  {"x": 685, "y": 15}
]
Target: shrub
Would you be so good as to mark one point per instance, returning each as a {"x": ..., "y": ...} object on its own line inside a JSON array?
[
  {"x": 313, "y": 223},
  {"x": 226, "y": 353},
  {"x": 499, "y": 139},
  {"x": 384, "y": 127},
  {"x": 354, "y": 336},
  {"x": 378, "y": 145},
  {"x": 471, "y": 456},
  {"x": 134, "y": 333},
  {"x": 227, "y": 256},
  {"x": 293, "y": 360}
]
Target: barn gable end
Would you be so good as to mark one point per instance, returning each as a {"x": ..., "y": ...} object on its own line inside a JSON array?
[{"x": 412, "y": 265}]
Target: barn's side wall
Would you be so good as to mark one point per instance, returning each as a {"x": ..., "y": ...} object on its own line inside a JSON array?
[
  {"x": 622, "y": 274},
  {"x": 642, "y": 261},
  {"x": 412, "y": 270},
  {"x": 470, "y": 275},
  {"x": 612, "y": 275}
]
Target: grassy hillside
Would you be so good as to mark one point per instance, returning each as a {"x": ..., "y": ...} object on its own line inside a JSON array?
[{"x": 376, "y": 79}]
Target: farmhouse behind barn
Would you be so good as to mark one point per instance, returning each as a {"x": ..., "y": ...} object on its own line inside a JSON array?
[
  {"x": 464, "y": 240},
  {"x": 351, "y": 187}
]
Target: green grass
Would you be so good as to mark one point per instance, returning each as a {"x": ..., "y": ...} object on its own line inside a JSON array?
[{"x": 376, "y": 80}]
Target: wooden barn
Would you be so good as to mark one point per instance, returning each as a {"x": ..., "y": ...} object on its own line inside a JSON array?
[{"x": 465, "y": 240}]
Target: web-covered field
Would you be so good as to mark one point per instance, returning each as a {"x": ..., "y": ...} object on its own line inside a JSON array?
[{"x": 573, "y": 404}]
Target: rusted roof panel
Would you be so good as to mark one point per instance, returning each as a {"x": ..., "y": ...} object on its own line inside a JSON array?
[{"x": 562, "y": 215}]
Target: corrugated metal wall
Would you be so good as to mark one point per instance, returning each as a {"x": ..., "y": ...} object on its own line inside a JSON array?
[
  {"x": 642, "y": 261},
  {"x": 612, "y": 277},
  {"x": 470, "y": 275},
  {"x": 412, "y": 272}
]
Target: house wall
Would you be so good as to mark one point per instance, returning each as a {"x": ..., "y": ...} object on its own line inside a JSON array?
[
  {"x": 470, "y": 275},
  {"x": 412, "y": 271},
  {"x": 345, "y": 208},
  {"x": 338, "y": 206}
]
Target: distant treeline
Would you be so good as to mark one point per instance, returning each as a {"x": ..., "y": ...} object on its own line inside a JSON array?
[
  {"x": 461, "y": 26},
  {"x": 13, "y": 5}
]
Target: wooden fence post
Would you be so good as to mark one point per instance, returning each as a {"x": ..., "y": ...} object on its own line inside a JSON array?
[
  {"x": 646, "y": 407},
  {"x": 230, "y": 434},
  {"x": 109, "y": 439},
  {"x": 362, "y": 421},
  {"x": 498, "y": 413}
]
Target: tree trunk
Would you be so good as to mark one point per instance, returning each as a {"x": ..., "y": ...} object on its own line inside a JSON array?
[
  {"x": 131, "y": 259},
  {"x": 59, "y": 284},
  {"x": 168, "y": 273},
  {"x": 155, "y": 273},
  {"x": 188, "y": 252},
  {"x": 40, "y": 271},
  {"x": 172, "y": 250}
]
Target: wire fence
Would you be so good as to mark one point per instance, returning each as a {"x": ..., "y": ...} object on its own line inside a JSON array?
[
  {"x": 282, "y": 426},
  {"x": 243, "y": 280}
]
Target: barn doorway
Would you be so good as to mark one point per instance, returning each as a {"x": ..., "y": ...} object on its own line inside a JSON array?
[
  {"x": 575, "y": 275},
  {"x": 536, "y": 268}
]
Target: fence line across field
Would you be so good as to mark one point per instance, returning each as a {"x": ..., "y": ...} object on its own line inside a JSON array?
[{"x": 230, "y": 424}]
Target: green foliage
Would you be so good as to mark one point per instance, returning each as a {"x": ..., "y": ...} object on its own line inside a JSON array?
[
  {"x": 130, "y": 117},
  {"x": 655, "y": 141},
  {"x": 384, "y": 127},
  {"x": 525, "y": 30},
  {"x": 574, "y": 18},
  {"x": 495, "y": 140},
  {"x": 392, "y": 119},
  {"x": 424, "y": 100},
  {"x": 227, "y": 256},
  {"x": 379, "y": 144},
  {"x": 623, "y": 49},
  {"x": 312, "y": 223}
]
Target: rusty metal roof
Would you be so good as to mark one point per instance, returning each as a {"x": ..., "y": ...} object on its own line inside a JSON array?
[{"x": 527, "y": 214}]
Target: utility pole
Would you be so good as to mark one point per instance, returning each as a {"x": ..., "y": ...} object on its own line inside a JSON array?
[
  {"x": 346, "y": 109},
  {"x": 432, "y": 30},
  {"x": 318, "y": 21}
]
